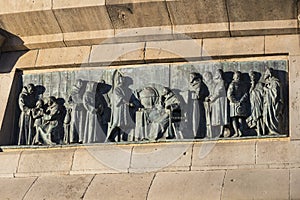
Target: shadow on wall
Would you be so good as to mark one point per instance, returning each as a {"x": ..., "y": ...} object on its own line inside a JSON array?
[{"x": 9, "y": 123}]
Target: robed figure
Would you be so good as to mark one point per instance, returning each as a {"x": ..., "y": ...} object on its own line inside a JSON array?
[
  {"x": 197, "y": 97},
  {"x": 272, "y": 103},
  {"x": 256, "y": 92},
  {"x": 92, "y": 131},
  {"x": 121, "y": 122},
  {"x": 27, "y": 102},
  {"x": 218, "y": 103},
  {"x": 78, "y": 113}
]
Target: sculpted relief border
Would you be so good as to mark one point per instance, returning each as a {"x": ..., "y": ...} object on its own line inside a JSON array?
[{"x": 208, "y": 100}]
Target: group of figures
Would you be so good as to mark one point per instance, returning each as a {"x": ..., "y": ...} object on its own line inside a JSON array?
[
  {"x": 97, "y": 112},
  {"x": 240, "y": 108}
]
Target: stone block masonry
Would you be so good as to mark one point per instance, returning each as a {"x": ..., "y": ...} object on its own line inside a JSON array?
[{"x": 209, "y": 164}]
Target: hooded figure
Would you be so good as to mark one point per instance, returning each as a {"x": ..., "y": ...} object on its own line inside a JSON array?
[
  {"x": 272, "y": 103},
  {"x": 121, "y": 123},
  {"x": 256, "y": 93},
  {"x": 197, "y": 96},
  {"x": 27, "y": 101},
  {"x": 92, "y": 130},
  {"x": 78, "y": 113}
]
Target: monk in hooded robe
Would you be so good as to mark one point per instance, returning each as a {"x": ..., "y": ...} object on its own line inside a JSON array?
[
  {"x": 27, "y": 101},
  {"x": 78, "y": 113},
  {"x": 256, "y": 92},
  {"x": 272, "y": 103},
  {"x": 92, "y": 133},
  {"x": 122, "y": 121}
]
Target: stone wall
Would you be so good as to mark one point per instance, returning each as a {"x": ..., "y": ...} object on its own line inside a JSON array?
[{"x": 247, "y": 169}]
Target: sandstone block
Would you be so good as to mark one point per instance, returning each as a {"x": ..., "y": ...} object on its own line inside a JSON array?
[
  {"x": 278, "y": 152},
  {"x": 256, "y": 184},
  {"x": 119, "y": 186},
  {"x": 9, "y": 163},
  {"x": 294, "y": 95},
  {"x": 187, "y": 185},
  {"x": 233, "y": 46},
  {"x": 240, "y": 11},
  {"x": 223, "y": 154},
  {"x": 108, "y": 53},
  {"x": 59, "y": 187},
  {"x": 24, "y": 6},
  {"x": 294, "y": 183},
  {"x": 101, "y": 159},
  {"x": 148, "y": 158},
  {"x": 85, "y": 18},
  {"x": 133, "y": 14},
  {"x": 21, "y": 24},
  {"x": 58, "y": 4},
  {"x": 8, "y": 121},
  {"x": 283, "y": 44},
  {"x": 45, "y": 161},
  {"x": 15, "y": 188},
  {"x": 199, "y": 19},
  {"x": 68, "y": 56},
  {"x": 174, "y": 49}
]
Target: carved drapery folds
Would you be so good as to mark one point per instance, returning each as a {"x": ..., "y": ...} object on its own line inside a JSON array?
[{"x": 192, "y": 101}]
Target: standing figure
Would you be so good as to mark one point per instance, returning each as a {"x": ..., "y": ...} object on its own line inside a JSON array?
[
  {"x": 238, "y": 109},
  {"x": 37, "y": 115},
  {"x": 92, "y": 129},
  {"x": 78, "y": 114},
  {"x": 208, "y": 80},
  {"x": 218, "y": 103},
  {"x": 67, "y": 124},
  {"x": 50, "y": 131},
  {"x": 27, "y": 102},
  {"x": 256, "y": 92},
  {"x": 121, "y": 122},
  {"x": 103, "y": 101},
  {"x": 195, "y": 91},
  {"x": 272, "y": 103}
]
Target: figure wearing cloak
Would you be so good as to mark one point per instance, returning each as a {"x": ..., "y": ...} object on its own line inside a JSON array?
[
  {"x": 197, "y": 105},
  {"x": 27, "y": 101},
  {"x": 218, "y": 103},
  {"x": 78, "y": 114},
  {"x": 121, "y": 122},
  {"x": 92, "y": 133},
  {"x": 272, "y": 103},
  {"x": 256, "y": 93}
]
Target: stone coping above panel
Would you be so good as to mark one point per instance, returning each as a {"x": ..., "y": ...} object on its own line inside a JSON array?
[
  {"x": 74, "y": 23},
  {"x": 179, "y": 50}
]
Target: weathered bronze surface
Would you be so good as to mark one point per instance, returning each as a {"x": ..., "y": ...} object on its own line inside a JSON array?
[{"x": 204, "y": 100}]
